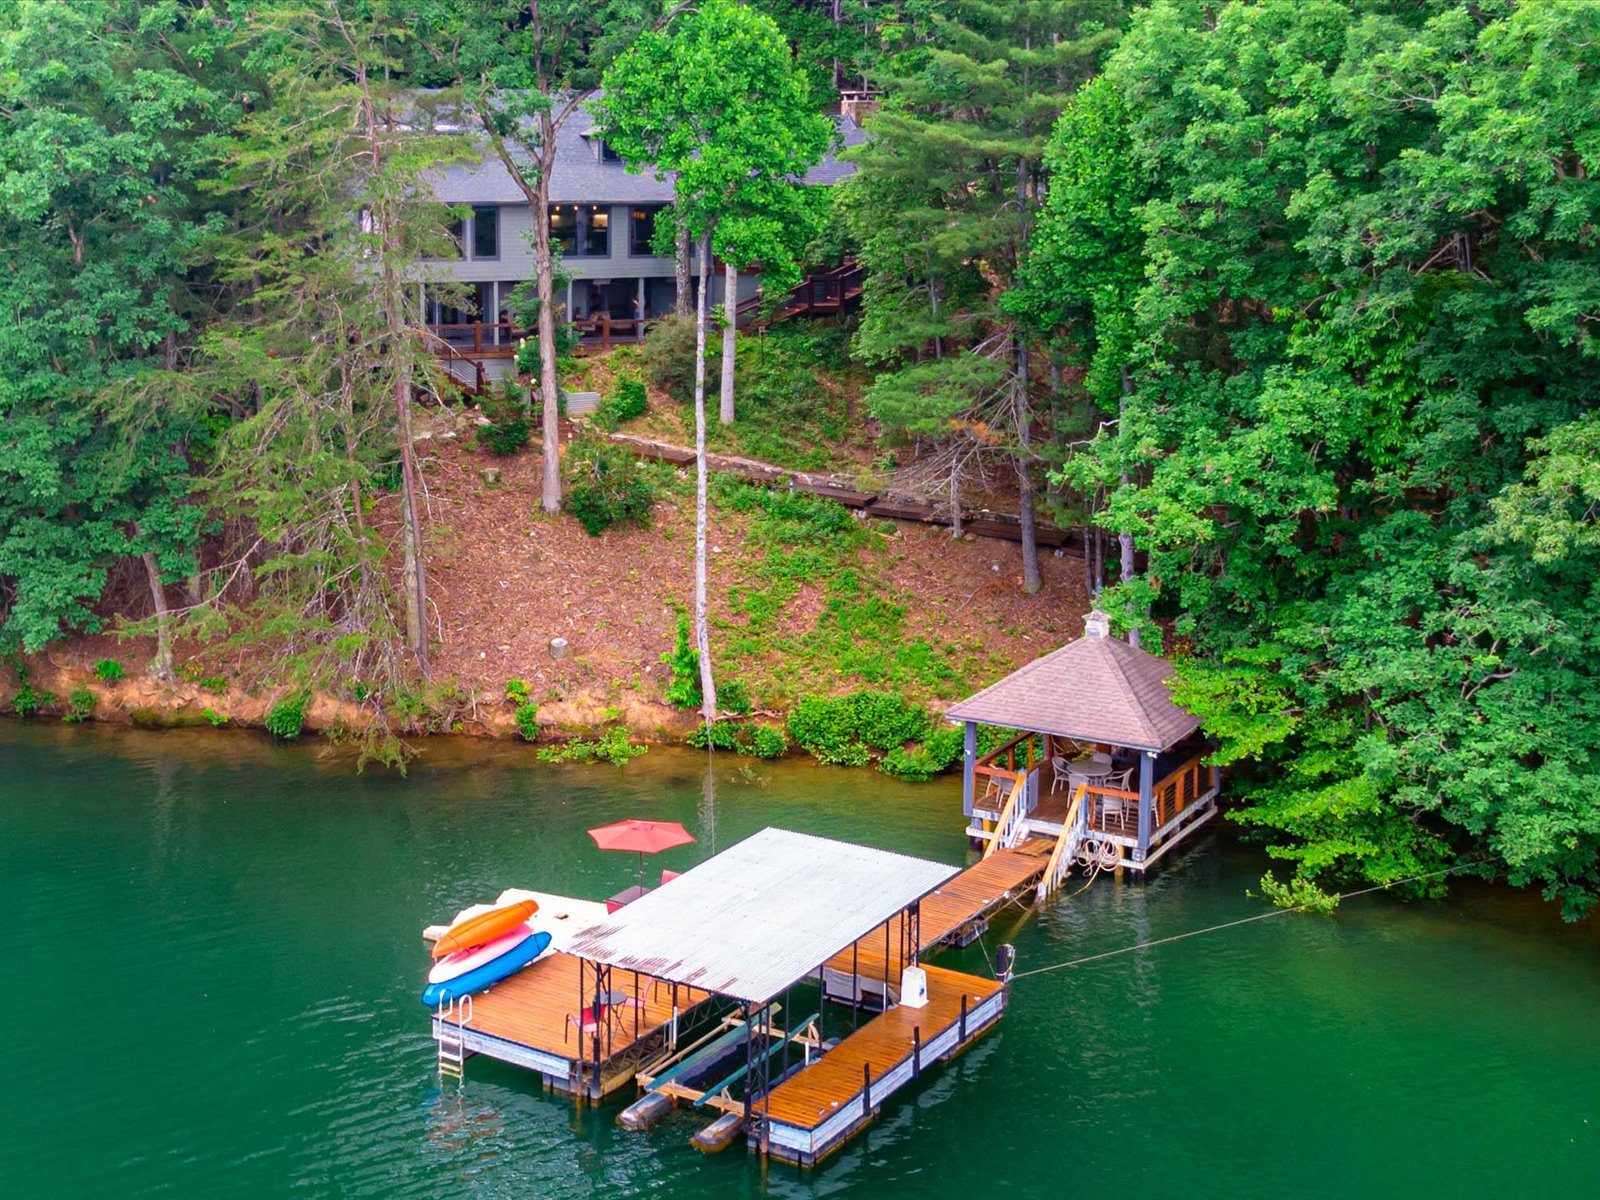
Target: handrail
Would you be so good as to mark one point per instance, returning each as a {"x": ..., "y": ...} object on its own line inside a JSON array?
[
  {"x": 1054, "y": 871},
  {"x": 1011, "y": 817}
]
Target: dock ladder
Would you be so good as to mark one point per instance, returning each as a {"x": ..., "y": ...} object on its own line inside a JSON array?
[{"x": 450, "y": 1031}]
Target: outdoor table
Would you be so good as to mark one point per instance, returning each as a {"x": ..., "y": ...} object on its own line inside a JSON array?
[{"x": 1088, "y": 769}]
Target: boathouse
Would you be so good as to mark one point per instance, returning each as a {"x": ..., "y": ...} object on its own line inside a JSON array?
[{"x": 1105, "y": 763}]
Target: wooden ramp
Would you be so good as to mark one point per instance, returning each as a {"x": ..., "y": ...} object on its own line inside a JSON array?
[
  {"x": 530, "y": 1019},
  {"x": 813, "y": 1113}
]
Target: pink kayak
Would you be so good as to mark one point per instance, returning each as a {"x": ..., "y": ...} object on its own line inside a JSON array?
[{"x": 453, "y": 965}]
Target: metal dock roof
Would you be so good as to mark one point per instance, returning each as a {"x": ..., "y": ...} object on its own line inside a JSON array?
[{"x": 762, "y": 914}]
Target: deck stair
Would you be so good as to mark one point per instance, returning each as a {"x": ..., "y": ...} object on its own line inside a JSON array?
[{"x": 1067, "y": 844}]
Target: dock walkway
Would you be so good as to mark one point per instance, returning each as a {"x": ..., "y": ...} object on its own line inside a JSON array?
[{"x": 812, "y": 1113}]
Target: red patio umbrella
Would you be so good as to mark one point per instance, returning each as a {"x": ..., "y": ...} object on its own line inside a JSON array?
[{"x": 641, "y": 837}]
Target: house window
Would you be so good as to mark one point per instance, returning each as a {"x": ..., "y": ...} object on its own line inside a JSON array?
[
  {"x": 581, "y": 230},
  {"x": 486, "y": 231},
  {"x": 607, "y": 154},
  {"x": 641, "y": 228},
  {"x": 458, "y": 236}
]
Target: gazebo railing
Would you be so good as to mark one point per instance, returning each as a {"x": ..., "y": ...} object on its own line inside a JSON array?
[
  {"x": 997, "y": 771},
  {"x": 1171, "y": 795}
]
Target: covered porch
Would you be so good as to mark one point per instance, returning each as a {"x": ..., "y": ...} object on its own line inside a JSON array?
[{"x": 1103, "y": 755}]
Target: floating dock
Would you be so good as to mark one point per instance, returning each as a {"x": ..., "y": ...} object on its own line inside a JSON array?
[{"x": 717, "y": 956}]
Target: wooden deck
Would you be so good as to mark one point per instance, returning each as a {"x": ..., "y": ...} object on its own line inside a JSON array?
[
  {"x": 530, "y": 1019},
  {"x": 815, "y": 1111},
  {"x": 954, "y": 908}
]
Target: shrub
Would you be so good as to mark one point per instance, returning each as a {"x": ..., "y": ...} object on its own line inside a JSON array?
[
  {"x": 934, "y": 756},
  {"x": 27, "y": 700},
  {"x": 622, "y": 406},
  {"x": 510, "y": 423},
  {"x": 845, "y": 730},
  {"x": 683, "y": 688},
  {"x": 516, "y": 691},
  {"x": 769, "y": 741},
  {"x": 528, "y": 721},
  {"x": 733, "y": 697},
  {"x": 108, "y": 669},
  {"x": 669, "y": 356},
  {"x": 612, "y": 746},
  {"x": 287, "y": 717},
  {"x": 742, "y": 737},
  {"x": 216, "y": 718},
  {"x": 605, "y": 487},
  {"x": 80, "y": 705},
  {"x": 567, "y": 339}
]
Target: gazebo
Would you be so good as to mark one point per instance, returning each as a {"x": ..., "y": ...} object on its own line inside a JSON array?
[{"x": 1101, "y": 742}]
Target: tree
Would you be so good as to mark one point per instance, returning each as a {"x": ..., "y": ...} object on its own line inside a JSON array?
[
  {"x": 103, "y": 121},
  {"x": 523, "y": 68},
  {"x": 714, "y": 100},
  {"x": 1362, "y": 388},
  {"x": 945, "y": 203}
]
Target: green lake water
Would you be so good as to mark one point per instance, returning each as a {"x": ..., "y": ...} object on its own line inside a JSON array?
[{"x": 213, "y": 952}]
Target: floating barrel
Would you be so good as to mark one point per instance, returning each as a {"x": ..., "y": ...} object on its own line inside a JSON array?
[
  {"x": 645, "y": 1111},
  {"x": 719, "y": 1134}
]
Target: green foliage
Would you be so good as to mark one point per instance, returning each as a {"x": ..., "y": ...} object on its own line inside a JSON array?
[
  {"x": 742, "y": 737},
  {"x": 527, "y": 716},
  {"x": 623, "y": 405},
  {"x": 612, "y": 746},
  {"x": 218, "y": 720},
  {"x": 683, "y": 685},
  {"x": 733, "y": 697},
  {"x": 668, "y": 353},
  {"x": 80, "y": 705},
  {"x": 108, "y": 669},
  {"x": 605, "y": 486},
  {"x": 846, "y": 730},
  {"x": 510, "y": 425},
  {"x": 287, "y": 716},
  {"x": 1357, "y": 440},
  {"x": 937, "y": 754},
  {"x": 517, "y": 691}
]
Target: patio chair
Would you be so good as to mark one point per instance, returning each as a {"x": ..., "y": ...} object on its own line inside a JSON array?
[{"x": 1062, "y": 766}]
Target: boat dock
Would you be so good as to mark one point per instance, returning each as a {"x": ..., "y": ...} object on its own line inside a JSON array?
[{"x": 721, "y": 953}]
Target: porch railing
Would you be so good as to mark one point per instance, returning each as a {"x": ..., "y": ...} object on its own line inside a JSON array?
[{"x": 1172, "y": 793}]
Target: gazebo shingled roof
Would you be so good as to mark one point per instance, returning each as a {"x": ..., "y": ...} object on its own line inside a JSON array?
[{"x": 1096, "y": 689}]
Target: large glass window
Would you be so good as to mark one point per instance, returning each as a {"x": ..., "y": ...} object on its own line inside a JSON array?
[
  {"x": 581, "y": 230},
  {"x": 486, "y": 231},
  {"x": 458, "y": 236},
  {"x": 641, "y": 228}
]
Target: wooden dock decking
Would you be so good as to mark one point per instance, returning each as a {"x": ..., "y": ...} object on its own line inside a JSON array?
[
  {"x": 812, "y": 1113},
  {"x": 530, "y": 1019}
]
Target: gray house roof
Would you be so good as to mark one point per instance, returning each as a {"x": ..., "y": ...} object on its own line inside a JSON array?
[
  {"x": 1096, "y": 689},
  {"x": 579, "y": 177}
]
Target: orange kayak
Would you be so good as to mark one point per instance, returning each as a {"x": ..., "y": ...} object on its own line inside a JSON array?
[{"x": 486, "y": 926}]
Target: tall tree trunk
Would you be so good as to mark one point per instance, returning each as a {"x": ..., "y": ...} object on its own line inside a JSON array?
[
  {"x": 702, "y": 634},
  {"x": 414, "y": 577},
  {"x": 1032, "y": 579},
  {"x": 955, "y": 494},
  {"x": 161, "y": 665},
  {"x": 730, "y": 321},
  {"x": 545, "y": 274},
  {"x": 680, "y": 271},
  {"x": 1126, "y": 539}
]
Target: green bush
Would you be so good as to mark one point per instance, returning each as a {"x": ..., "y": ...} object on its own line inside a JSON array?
[
  {"x": 510, "y": 422},
  {"x": 28, "y": 700},
  {"x": 217, "y": 719},
  {"x": 108, "y": 669},
  {"x": 845, "y": 730},
  {"x": 527, "y": 356},
  {"x": 286, "y": 718},
  {"x": 528, "y": 721},
  {"x": 516, "y": 691},
  {"x": 741, "y": 737},
  {"x": 733, "y": 697},
  {"x": 80, "y": 705},
  {"x": 933, "y": 757},
  {"x": 612, "y": 746},
  {"x": 668, "y": 353},
  {"x": 623, "y": 405},
  {"x": 683, "y": 688},
  {"x": 605, "y": 487}
]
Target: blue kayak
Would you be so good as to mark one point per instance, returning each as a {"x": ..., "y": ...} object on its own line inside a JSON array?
[{"x": 493, "y": 971}]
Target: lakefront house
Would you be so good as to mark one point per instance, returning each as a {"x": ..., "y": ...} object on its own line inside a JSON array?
[{"x": 602, "y": 216}]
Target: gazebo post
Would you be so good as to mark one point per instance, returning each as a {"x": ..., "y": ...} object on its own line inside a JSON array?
[
  {"x": 969, "y": 763},
  {"x": 1147, "y": 771}
]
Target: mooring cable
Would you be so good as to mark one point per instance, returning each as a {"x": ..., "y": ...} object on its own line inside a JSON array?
[{"x": 1277, "y": 912}]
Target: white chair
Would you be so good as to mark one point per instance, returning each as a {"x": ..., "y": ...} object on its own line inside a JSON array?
[{"x": 1062, "y": 766}]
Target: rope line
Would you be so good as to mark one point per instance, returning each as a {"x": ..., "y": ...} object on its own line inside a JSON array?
[{"x": 1178, "y": 937}]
